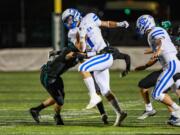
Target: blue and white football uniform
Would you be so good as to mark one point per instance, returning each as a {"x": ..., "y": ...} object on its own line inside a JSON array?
[
  {"x": 167, "y": 58},
  {"x": 99, "y": 64}
]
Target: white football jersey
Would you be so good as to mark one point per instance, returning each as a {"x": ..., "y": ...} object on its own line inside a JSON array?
[
  {"x": 90, "y": 24},
  {"x": 168, "y": 50}
]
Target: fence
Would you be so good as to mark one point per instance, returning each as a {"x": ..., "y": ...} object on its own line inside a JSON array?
[{"x": 33, "y": 59}]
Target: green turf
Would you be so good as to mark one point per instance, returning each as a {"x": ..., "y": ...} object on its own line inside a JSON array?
[{"x": 20, "y": 91}]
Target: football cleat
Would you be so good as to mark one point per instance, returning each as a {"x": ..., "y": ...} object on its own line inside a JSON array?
[
  {"x": 58, "y": 120},
  {"x": 93, "y": 102},
  {"x": 147, "y": 114},
  {"x": 104, "y": 118},
  {"x": 35, "y": 114},
  {"x": 174, "y": 121},
  {"x": 119, "y": 119}
]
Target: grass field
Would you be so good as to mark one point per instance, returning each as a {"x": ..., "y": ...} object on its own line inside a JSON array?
[{"x": 20, "y": 91}]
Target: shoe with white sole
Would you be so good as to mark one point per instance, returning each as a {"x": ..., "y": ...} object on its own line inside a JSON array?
[
  {"x": 174, "y": 121},
  {"x": 147, "y": 114},
  {"x": 119, "y": 119},
  {"x": 94, "y": 101}
]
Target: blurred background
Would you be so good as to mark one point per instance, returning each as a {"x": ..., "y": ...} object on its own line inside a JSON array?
[{"x": 36, "y": 23}]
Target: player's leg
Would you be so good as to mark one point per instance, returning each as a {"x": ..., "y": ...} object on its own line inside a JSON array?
[
  {"x": 144, "y": 85},
  {"x": 34, "y": 111},
  {"x": 178, "y": 94},
  {"x": 56, "y": 90},
  {"x": 59, "y": 98},
  {"x": 100, "y": 105},
  {"x": 88, "y": 66},
  {"x": 57, "y": 117},
  {"x": 173, "y": 120},
  {"x": 100, "y": 67},
  {"x": 163, "y": 83},
  {"x": 102, "y": 79},
  {"x": 89, "y": 82},
  {"x": 173, "y": 108},
  {"x": 176, "y": 79}
]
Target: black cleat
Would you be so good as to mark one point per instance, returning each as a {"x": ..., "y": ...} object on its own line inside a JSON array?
[
  {"x": 58, "y": 120},
  {"x": 35, "y": 114},
  {"x": 104, "y": 118}
]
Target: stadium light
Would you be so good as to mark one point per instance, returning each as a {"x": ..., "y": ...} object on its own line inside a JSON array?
[{"x": 127, "y": 11}]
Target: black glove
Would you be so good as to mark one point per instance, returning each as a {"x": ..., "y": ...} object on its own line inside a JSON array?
[
  {"x": 124, "y": 73},
  {"x": 107, "y": 50},
  {"x": 80, "y": 57}
]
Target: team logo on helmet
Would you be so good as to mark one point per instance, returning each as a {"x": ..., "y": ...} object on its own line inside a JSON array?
[{"x": 144, "y": 23}]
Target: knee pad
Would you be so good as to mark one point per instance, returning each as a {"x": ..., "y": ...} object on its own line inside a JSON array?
[
  {"x": 158, "y": 98},
  {"x": 59, "y": 100}
]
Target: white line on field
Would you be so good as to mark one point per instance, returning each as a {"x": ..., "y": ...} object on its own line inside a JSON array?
[
  {"x": 95, "y": 132},
  {"x": 20, "y": 109},
  {"x": 70, "y": 116}
]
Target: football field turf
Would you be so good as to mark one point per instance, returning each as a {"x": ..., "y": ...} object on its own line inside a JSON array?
[{"x": 21, "y": 90}]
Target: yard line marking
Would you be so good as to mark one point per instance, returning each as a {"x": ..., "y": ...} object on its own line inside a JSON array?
[
  {"x": 70, "y": 116},
  {"x": 16, "y": 109}
]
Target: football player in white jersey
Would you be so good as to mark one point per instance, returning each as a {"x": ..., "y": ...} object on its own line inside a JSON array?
[
  {"x": 150, "y": 80},
  {"x": 165, "y": 51},
  {"x": 86, "y": 35}
]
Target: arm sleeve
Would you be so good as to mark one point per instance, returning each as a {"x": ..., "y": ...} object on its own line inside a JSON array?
[{"x": 126, "y": 57}]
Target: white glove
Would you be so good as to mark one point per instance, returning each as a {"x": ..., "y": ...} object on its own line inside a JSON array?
[{"x": 124, "y": 24}]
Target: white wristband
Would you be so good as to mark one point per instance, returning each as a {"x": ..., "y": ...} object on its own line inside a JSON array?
[
  {"x": 124, "y": 24},
  {"x": 120, "y": 24}
]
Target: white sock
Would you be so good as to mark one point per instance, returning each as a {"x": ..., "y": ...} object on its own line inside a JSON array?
[
  {"x": 89, "y": 82},
  {"x": 148, "y": 107},
  {"x": 175, "y": 106},
  {"x": 173, "y": 113}
]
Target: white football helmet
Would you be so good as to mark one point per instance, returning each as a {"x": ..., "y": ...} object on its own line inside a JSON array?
[
  {"x": 75, "y": 14},
  {"x": 144, "y": 23}
]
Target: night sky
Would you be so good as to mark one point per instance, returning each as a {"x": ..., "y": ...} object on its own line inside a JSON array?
[
  {"x": 41, "y": 9},
  {"x": 37, "y": 20}
]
